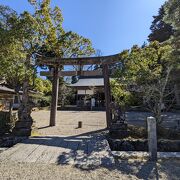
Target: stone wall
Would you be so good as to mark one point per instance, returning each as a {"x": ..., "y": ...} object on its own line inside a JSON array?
[
  {"x": 7, "y": 122},
  {"x": 142, "y": 145}
]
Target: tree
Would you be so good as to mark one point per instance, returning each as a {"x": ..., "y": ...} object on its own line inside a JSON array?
[
  {"x": 148, "y": 71},
  {"x": 65, "y": 94},
  {"x": 12, "y": 64},
  {"x": 121, "y": 94},
  {"x": 43, "y": 86},
  {"x": 31, "y": 35},
  {"x": 172, "y": 17},
  {"x": 160, "y": 30}
]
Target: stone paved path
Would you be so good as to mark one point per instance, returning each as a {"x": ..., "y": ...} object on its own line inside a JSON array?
[
  {"x": 86, "y": 151},
  {"x": 65, "y": 143}
]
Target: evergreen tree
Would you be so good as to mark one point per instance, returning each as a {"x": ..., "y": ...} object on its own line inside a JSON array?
[
  {"x": 160, "y": 30},
  {"x": 172, "y": 17}
]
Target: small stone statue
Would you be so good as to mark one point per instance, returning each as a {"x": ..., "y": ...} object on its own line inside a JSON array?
[
  {"x": 118, "y": 125},
  {"x": 117, "y": 113}
]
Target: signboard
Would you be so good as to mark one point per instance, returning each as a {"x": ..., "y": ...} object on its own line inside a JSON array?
[{"x": 84, "y": 92}]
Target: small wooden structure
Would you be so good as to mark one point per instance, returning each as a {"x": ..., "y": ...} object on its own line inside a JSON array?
[{"x": 57, "y": 62}]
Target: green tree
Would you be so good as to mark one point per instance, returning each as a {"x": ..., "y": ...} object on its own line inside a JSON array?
[
  {"x": 172, "y": 17},
  {"x": 66, "y": 94},
  {"x": 160, "y": 31},
  {"x": 43, "y": 86},
  {"x": 148, "y": 71},
  {"x": 12, "y": 56},
  {"x": 121, "y": 94},
  {"x": 30, "y": 35}
]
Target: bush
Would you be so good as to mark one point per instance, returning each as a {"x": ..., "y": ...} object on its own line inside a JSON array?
[{"x": 44, "y": 101}]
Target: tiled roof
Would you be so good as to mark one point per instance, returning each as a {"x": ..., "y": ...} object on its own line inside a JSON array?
[
  {"x": 5, "y": 89},
  {"x": 88, "y": 82}
]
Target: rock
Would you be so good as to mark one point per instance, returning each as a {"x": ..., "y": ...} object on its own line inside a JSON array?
[{"x": 126, "y": 146}]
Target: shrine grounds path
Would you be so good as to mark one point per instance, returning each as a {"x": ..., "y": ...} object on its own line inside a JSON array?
[
  {"x": 67, "y": 122},
  {"x": 84, "y": 153}
]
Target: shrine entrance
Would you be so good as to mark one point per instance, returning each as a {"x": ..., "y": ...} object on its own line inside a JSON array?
[{"x": 56, "y": 63}]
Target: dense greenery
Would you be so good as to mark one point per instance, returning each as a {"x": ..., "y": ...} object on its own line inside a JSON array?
[
  {"x": 146, "y": 71},
  {"x": 172, "y": 17},
  {"x": 160, "y": 31},
  {"x": 26, "y": 36}
]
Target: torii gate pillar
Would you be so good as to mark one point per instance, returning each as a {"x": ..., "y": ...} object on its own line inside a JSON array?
[
  {"x": 54, "y": 101},
  {"x": 107, "y": 94}
]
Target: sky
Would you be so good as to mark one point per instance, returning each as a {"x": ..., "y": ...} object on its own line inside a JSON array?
[{"x": 111, "y": 25}]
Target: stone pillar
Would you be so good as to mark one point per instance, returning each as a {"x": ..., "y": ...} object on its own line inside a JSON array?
[{"x": 152, "y": 138}]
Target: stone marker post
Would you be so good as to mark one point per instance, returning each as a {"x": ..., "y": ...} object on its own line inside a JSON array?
[
  {"x": 152, "y": 138},
  {"x": 79, "y": 124}
]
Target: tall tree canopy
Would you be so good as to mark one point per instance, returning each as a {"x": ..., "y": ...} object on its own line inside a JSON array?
[
  {"x": 55, "y": 40},
  {"x": 146, "y": 70},
  {"x": 26, "y": 36},
  {"x": 160, "y": 30},
  {"x": 172, "y": 17}
]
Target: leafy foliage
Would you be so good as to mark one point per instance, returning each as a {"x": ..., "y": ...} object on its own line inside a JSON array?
[
  {"x": 120, "y": 93},
  {"x": 66, "y": 94},
  {"x": 43, "y": 86},
  {"x": 172, "y": 17},
  {"x": 160, "y": 31},
  {"x": 147, "y": 70},
  {"x": 56, "y": 41},
  {"x": 24, "y": 36}
]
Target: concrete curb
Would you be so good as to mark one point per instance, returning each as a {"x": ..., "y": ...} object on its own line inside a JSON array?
[{"x": 144, "y": 155}]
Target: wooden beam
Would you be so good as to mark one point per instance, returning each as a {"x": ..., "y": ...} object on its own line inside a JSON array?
[
  {"x": 107, "y": 94},
  {"x": 72, "y": 73},
  {"x": 46, "y": 73},
  {"x": 78, "y": 61},
  {"x": 54, "y": 100}
]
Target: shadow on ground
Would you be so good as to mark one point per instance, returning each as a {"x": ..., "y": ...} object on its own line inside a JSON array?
[{"x": 88, "y": 152}]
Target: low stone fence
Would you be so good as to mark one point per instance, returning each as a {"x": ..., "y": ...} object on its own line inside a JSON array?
[{"x": 142, "y": 145}]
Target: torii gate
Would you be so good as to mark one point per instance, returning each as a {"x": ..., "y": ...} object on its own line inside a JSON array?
[{"x": 56, "y": 62}]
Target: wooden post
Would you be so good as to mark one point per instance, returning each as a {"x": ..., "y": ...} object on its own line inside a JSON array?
[
  {"x": 54, "y": 100},
  {"x": 107, "y": 94},
  {"x": 152, "y": 138}
]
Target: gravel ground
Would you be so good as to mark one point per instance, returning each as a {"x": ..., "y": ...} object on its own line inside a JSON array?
[
  {"x": 67, "y": 122},
  {"x": 123, "y": 170},
  {"x": 67, "y": 125}
]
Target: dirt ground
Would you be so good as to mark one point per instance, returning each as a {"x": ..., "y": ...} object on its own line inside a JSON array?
[{"x": 67, "y": 122}]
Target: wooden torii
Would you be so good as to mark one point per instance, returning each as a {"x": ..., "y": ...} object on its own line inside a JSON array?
[{"x": 56, "y": 62}]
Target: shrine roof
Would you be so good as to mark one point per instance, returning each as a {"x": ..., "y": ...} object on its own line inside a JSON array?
[{"x": 89, "y": 82}]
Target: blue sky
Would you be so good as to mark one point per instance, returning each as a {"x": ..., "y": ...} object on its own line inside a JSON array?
[{"x": 112, "y": 25}]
